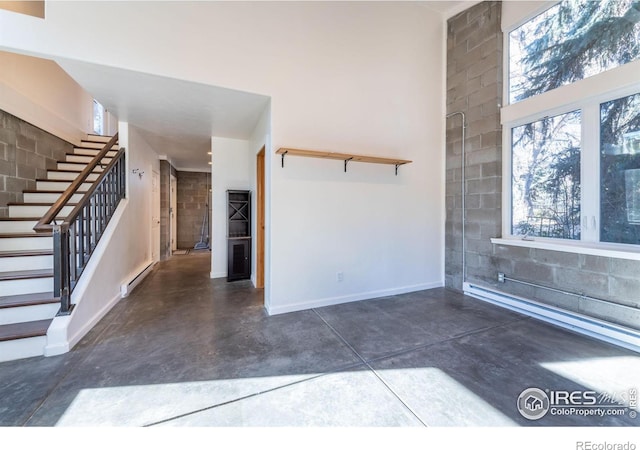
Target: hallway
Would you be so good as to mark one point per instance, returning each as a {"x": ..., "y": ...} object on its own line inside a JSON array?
[{"x": 185, "y": 350}]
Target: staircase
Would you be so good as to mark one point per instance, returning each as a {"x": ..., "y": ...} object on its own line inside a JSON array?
[{"x": 27, "y": 303}]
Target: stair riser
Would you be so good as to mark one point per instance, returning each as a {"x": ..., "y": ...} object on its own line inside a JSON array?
[
  {"x": 35, "y": 211},
  {"x": 22, "y": 348},
  {"x": 28, "y": 313},
  {"x": 45, "y": 197},
  {"x": 97, "y": 138},
  {"x": 17, "y": 263},
  {"x": 17, "y": 226},
  {"x": 58, "y": 185},
  {"x": 91, "y": 152},
  {"x": 75, "y": 167},
  {"x": 98, "y": 145},
  {"x": 26, "y": 243},
  {"x": 27, "y": 286},
  {"x": 85, "y": 159},
  {"x": 69, "y": 176}
]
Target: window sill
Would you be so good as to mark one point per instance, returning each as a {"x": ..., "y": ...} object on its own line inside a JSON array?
[{"x": 621, "y": 251}]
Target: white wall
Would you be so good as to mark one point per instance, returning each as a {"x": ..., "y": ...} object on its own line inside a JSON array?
[
  {"x": 57, "y": 105},
  {"x": 361, "y": 77},
  {"x": 230, "y": 169},
  {"x": 123, "y": 252}
]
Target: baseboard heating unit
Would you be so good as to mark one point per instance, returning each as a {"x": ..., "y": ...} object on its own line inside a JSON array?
[
  {"x": 126, "y": 288},
  {"x": 598, "y": 329}
]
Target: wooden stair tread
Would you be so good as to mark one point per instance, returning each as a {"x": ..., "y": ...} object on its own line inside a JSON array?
[
  {"x": 17, "y": 253},
  {"x": 37, "y": 204},
  {"x": 13, "y": 219},
  {"x": 61, "y": 171},
  {"x": 36, "y": 191},
  {"x": 25, "y": 234},
  {"x": 24, "y": 330},
  {"x": 26, "y": 274},
  {"x": 40, "y": 298}
]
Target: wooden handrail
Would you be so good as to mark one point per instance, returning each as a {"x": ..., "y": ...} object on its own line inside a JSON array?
[
  {"x": 74, "y": 213},
  {"x": 43, "y": 224}
]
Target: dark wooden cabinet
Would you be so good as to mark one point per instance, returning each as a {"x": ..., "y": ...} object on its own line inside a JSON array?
[
  {"x": 239, "y": 266},
  {"x": 238, "y": 235}
]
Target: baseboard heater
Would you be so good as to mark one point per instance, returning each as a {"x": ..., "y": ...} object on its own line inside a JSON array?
[
  {"x": 126, "y": 288},
  {"x": 598, "y": 329}
]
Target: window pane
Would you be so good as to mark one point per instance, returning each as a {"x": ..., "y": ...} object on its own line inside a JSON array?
[
  {"x": 574, "y": 39},
  {"x": 98, "y": 118},
  {"x": 620, "y": 170},
  {"x": 545, "y": 185}
]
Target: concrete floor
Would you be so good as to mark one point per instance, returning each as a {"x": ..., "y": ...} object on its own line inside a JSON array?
[{"x": 185, "y": 350}]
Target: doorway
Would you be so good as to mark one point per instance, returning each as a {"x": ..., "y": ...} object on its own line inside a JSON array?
[
  {"x": 173, "y": 217},
  {"x": 155, "y": 216},
  {"x": 260, "y": 220}
]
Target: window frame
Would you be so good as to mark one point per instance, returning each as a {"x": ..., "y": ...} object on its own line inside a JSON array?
[{"x": 585, "y": 95}]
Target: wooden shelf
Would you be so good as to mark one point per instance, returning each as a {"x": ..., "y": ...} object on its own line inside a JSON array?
[{"x": 346, "y": 157}]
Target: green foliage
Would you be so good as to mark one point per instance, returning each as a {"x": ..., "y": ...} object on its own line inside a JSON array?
[{"x": 576, "y": 39}]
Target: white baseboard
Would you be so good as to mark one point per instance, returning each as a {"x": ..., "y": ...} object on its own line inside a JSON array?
[
  {"x": 589, "y": 326},
  {"x": 329, "y": 301},
  {"x": 218, "y": 274},
  {"x": 137, "y": 277},
  {"x": 88, "y": 325}
]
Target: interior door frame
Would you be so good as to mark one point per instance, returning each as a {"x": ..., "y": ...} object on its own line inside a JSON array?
[
  {"x": 260, "y": 186},
  {"x": 155, "y": 216},
  {"x": 173, "y": 213}
]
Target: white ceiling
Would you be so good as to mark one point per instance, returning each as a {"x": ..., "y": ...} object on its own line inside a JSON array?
[{"x": 177, "y": 118}]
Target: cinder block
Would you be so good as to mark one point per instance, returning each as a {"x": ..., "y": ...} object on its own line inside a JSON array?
[
  {"x": 14, "y": 184},
  {"x": 484, "y": 186},
  {"x": 531, "y": 271},
  {"x": 8, "y": 136},
  {"x": 625, "y": 290},
  {"x": 513, "y": 253},
  {"x": 581, "y": 282},
  {"x": 624, "y": 268},
  {"x": 610, "y": 312},
  {"x": 555, "y": 258},
  {"x": 25, "y": 171},
  {"x": 594, "y": 263},
  {"x": 26, "y": 143},
  {"x": 7, "y": 168}
]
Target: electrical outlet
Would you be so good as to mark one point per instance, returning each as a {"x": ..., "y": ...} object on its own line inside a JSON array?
[
  {"x": 340, "y": 276},
  {"x": 500, "y": 277}
]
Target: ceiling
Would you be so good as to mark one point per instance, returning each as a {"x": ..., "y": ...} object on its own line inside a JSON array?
[{"x": 177, "y": 118}]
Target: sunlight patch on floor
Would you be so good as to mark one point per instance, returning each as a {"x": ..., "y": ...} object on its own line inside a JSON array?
[
  {"x": 440, "y": 400},
  {"x": 139, "y": 405},
  {"x": 612, "y": 375}
]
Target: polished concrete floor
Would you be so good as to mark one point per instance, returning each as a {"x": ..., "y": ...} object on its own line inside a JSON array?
[{"x": 185, "y": 350}]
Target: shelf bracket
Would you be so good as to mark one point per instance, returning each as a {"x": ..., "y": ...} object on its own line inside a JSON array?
[
  {"x": 282, "y": 159},
  {"x": 345, "y": 164},
  {"x": 397, "y": 165}
]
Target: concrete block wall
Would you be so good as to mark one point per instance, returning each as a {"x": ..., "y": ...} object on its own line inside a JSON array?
[
  {"x": 474, "y": 86},
  {"x": 193, "y": 195},
  {"x": 26, "y": 153}
]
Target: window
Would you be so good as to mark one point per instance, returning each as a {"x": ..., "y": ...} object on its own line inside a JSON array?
[
  {"x": 571, "y": 41},
  {"x": 620, "y": 170},
  {"x": 572, "y": 128},
  {"x": 546, "y": 177},
  {"x": 98, "y": 118}
]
